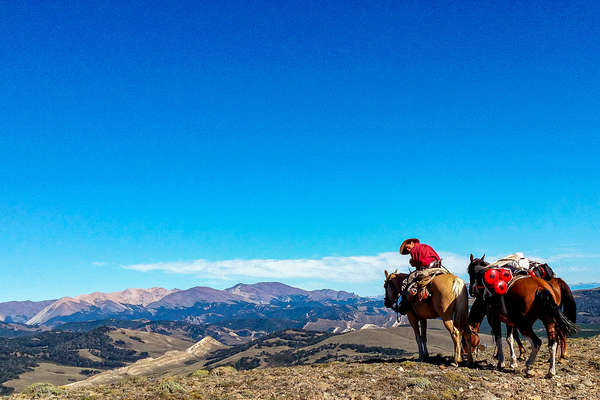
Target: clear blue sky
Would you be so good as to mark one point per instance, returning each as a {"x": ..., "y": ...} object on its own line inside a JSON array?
[{"x": 147, "y": 133}]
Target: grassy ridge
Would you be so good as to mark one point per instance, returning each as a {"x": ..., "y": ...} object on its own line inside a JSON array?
[{"x": 578, "y": 378}]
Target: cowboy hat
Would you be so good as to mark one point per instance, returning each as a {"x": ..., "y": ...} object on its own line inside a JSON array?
[{"x": 403, "y": 249}]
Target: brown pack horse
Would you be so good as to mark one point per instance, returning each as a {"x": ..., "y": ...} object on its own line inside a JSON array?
[
  {"x": 449, "y": 301},
  {"x": 565, "y": 300},
  {"x": 527, "y": 300}
]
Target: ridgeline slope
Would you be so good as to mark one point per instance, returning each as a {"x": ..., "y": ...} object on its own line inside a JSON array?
[{"x": 402, "y": 378}]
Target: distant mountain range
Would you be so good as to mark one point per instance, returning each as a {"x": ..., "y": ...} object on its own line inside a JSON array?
[
  {"x": 315, "y": 309},
  {"x": 588, "y": 305},
  {"x": 21, "y": 311},
  {"x": 588, "y": 285},
  {"x": 235, "y": 314}
]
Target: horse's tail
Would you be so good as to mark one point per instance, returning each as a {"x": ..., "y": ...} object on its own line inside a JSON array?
[
  {"x": 567, "y": 300},
  {"x": 461, "y": 305},
  {"x": 547, "y": 303}
]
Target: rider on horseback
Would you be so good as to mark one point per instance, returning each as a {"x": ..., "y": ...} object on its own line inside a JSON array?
[{"x": 422, "y": 257}]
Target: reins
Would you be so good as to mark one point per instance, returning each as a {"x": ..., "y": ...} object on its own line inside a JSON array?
[{"x": 396, "y": 306}]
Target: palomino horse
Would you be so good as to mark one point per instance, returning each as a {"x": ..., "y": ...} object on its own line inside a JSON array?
[
  {"x": 449, "y": 301},
  {"x": 566, "y": 302},
  {"x": 527, "y": 300}
]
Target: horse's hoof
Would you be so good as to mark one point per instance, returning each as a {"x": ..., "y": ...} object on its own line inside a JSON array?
[
  {"x": 528, "y": 374},
  {"x": 454, "y": 364},
  {"x": 514, "y": 365},
  {"x": 550, "y": 374}
]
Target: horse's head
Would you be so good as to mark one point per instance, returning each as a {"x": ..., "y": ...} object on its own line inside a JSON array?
[
  {"x": 473, "y": 336},
  {"x": 474, "y": 268},
  {"x": 392, "y": 286}
]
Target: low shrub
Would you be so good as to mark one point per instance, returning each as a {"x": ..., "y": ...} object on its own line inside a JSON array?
[
  {"x": 38, "y": 390},
  {"x": 422, "y": 383}
]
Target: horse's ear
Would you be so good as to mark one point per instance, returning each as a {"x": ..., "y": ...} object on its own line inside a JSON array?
[
  {"x": 386, "y": 273},
  {"x": 482, "y": 257},
  {"x": 396, "y": 271},
  {"x": 471, "y": 257}
]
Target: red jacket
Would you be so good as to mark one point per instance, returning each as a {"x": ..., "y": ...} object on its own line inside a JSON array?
[{"x": 422, "y": 255}]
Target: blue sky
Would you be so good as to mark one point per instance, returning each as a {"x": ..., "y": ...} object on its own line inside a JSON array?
[{"x": 147, "y": 144}]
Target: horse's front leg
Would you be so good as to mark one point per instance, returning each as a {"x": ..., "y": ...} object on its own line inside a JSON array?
[
  {"x": 424, "y": 338},
  {"x": 497, "y": 332},
  {"x": 414, "y": 323},
  {"x": 511, "y": 345}
]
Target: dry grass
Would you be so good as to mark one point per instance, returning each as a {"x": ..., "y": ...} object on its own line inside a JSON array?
[
  {"x": 47, "y": 372},
  {"x": 154, "y": 344},
  {"x": 577, "y": 378},
  {"x": 385, "y": 380}
]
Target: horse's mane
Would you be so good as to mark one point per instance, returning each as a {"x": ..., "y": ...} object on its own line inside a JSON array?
[{"x": 477, "y": 262}]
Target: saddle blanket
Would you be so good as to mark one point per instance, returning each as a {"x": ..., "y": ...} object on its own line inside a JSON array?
[{"x": 516, "y": 261}]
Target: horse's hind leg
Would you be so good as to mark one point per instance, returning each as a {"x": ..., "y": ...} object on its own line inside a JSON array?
[
  {"x": 519, "y": 344},
  {"x": 563, "y": 347},
  {"x": 536, "y": 343},
  {"x": 455, "y": 334},
  {"x": 552, "y": 369},
  {"x": 553, "y": 338}
]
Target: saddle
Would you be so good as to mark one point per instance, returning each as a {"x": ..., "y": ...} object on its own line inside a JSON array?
[
  {"x": 417, "y": 282},
  {"x": 517, "y": 263},
  {"x": 541, "y": 271},
  {"x": 494, "y": 280}
]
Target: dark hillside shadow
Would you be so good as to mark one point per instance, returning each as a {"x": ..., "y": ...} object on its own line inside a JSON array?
[{"x": 438, "y": 360}]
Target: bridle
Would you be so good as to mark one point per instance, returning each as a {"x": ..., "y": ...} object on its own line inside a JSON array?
[
  {"x": 474, "y": 270},
  {"x": 391, "y": 278}
]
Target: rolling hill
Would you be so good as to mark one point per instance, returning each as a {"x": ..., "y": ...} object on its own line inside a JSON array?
[
  {"x": 285, "y": 348},
  {"x": 390, "y": 379},
  {"x": 325, "y": 309}
]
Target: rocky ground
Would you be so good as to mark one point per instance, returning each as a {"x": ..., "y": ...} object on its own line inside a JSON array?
[{"x": 578, "y": 378}]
